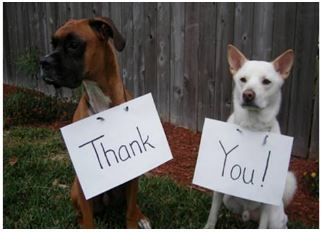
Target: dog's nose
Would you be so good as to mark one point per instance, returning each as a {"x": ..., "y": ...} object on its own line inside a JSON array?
[{"x": 248, "y": 96}]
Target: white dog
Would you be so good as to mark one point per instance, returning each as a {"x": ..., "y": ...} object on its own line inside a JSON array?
[{"x": 257, "y": 99}]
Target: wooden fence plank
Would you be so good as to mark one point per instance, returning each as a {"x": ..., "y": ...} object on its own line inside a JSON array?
[
  {"x": 106, "y": 9},
  {"x": 314, "y": 139},
  {"x": 8, "y": 76},
  {"x": 51, "y": 24},
  {"x": 206, "y": 83},
  {"x": 13, "y": 41},
  {"x": 303, "y": 88},
  {"x": 262, "y": 31},
  {"x": 283, "y": 39},
  {"x": 44, "y": 45},
  {"x": 224, "y": 36},
  {"x": 127, "y": 64},
  {"x": 177, "y": 63},
  {"x": 115, "y": 15},
  {"x": 138, "y": 54},
  {"x": 76, "y": 10},
  {"x": 150, "y": 41},
  {"x": 97, "y": 9},
  {"x": 163, "y": 58},
  {"x": 243, "y": 27},
  {"x": 191, "y": 65}
]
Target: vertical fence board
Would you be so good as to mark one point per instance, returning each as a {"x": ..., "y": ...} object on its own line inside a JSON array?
[
  {"x": 162, "y": 59},
  {"x": 51, "y": 24},
  {"x": 97, "y": 9},
  {"x": 115, "y": 15},
  {"x": 150, "y": 53},
  {"x": 44, "y": 45},
  {"x": 106, "y": 8},
  {"x": 303, "y": 87},
  {"x": 7, "y": 71},
  {"x": 243, "y": 27},
  {"x": 314, "y": 140},
  {"x": 127, "y": 32},
  {"x": 75, "y": 10},
  {"x": 262, "y": 32},
  {"x": 13, "y": 41},
  {"x": 191, "y": 64},
  {"x": 138, "y": 53},
  {"x": 19, "y": 44},
  {"x": 206, "y": 83},
  {"x": 224, "y": 36},
  {"x": 177, "y": 63},
  {"x": 283, "y": 39}
]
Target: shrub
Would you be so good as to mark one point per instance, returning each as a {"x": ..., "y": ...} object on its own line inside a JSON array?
[
  {"x": 30, "y": 107},
  {"x": 311, "y": 180},
  {"x": 28, "y": 62}
]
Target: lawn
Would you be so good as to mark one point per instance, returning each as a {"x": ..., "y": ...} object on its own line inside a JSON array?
[{"x": 37, "y": 178}]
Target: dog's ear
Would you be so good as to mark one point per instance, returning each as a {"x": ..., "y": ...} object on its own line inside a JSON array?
[
  {"x": 235, "y": 59},
  {"x": 105, "y": 29},
  {"x": 283, "y": 63}
]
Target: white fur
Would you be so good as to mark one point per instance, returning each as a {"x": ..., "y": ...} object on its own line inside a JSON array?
[
  {"x": 261, "y": 118},
  {"x": 98, "y": 101}
]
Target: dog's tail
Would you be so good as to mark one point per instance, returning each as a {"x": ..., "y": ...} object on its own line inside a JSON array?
[{"x": 290, "y": 189}]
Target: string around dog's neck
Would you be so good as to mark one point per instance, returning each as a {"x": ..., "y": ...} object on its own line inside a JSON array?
[{"x": 124, "y": 92}]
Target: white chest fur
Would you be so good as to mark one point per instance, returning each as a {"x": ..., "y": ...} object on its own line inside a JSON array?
[{"x": 98, "y": 101}]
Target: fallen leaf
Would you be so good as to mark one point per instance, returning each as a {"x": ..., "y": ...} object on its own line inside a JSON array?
[
  {"x": 56, "y": 182},
  {"x": 13, "y": 160}
]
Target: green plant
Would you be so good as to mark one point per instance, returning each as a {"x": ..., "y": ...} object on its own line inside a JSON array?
[
  {"x": 28, "y": 62},
  {"x": 29, "y": 107},
  {"x": 311, "y": 180}
]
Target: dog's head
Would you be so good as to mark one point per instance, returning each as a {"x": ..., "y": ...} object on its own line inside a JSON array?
[
  {"x": 257, "y": 83},
  {"x": 79, "y": 51}
]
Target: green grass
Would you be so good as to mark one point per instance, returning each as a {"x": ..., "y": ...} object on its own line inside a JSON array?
[{"x": 37, "y": 178}]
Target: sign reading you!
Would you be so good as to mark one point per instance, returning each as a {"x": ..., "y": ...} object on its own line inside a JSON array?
[
  {"x": 242, "y": 163},
  {"x": 114, "y": 146}
]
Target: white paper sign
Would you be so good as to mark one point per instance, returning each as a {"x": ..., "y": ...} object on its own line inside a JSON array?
[
  {"x": 114, "y": 146},
  {"x": 242, "y": 163}
]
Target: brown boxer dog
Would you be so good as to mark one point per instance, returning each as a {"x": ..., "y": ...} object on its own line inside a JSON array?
[{"x": 84, "y": 52}]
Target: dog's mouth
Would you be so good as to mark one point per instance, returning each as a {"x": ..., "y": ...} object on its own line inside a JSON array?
[
  {"x": 59, "y": 80},
  {"x": 251, "y": 106}
]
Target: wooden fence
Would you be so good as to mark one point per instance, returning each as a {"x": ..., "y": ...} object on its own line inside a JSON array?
[{"x": 177, "y": 51}]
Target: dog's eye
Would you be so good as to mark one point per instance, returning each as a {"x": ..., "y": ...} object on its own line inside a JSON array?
[
  {"x": 243, "y": 79},
  {"x": 266, "y": 81},
  {"x": 54, "y": 43},
  {"x": 73, "y": 45}
]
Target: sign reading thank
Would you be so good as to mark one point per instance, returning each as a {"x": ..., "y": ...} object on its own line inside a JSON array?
[
  {"x": 114, "y": 146},
  {"x": 242, "y": 163}
]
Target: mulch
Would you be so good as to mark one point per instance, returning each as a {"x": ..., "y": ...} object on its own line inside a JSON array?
[{"x": 184, "y": 145}]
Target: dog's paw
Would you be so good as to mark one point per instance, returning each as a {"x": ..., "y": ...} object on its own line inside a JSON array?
[
  {"x": 209, "y": 226},
  {"x": 144, "y": 224},
  {"x": 245, "y": 216}
]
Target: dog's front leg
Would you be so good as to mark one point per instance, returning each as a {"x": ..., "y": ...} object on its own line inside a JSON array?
[
  {"x": 83, "y": 206},
  {"x": 215, "y": 206},
  {"x": 263, "y": 223},
  {"x": 134, "y": 216},
  {"x": 273, "y": 217}
]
